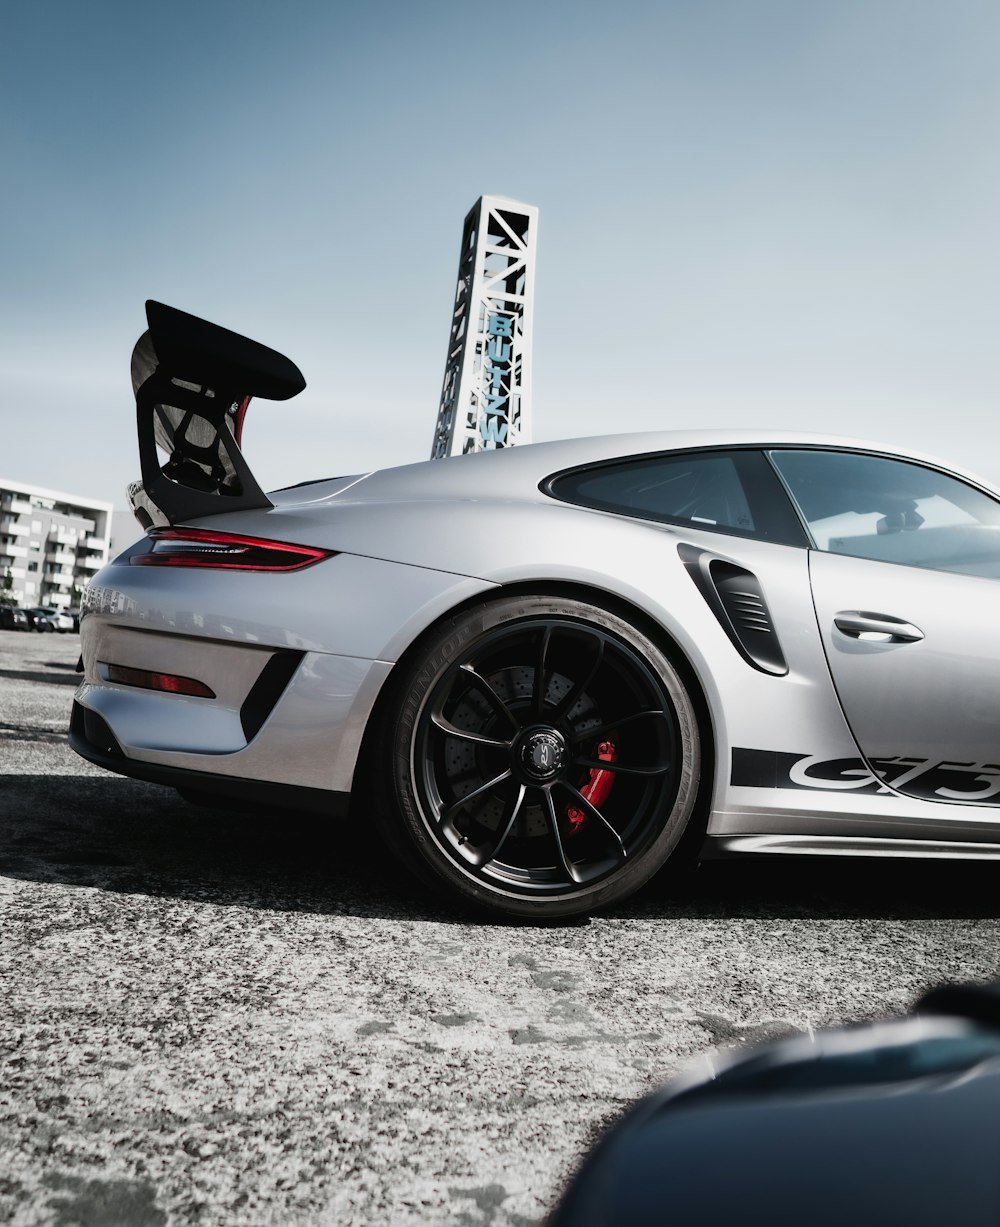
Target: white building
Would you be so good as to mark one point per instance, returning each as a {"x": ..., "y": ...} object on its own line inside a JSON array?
[{"x": 51, "y": 543}]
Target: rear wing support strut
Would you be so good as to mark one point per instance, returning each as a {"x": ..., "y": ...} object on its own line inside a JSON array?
[{"x": 193, "y": 382}]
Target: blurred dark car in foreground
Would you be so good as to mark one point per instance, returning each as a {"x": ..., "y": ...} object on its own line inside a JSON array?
[
  {"x": 891, "y": 1123},
  {"x": 13, "y": 619}
]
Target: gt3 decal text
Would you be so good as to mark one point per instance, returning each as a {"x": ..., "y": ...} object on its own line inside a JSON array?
[{"x": 916, "y": 777}]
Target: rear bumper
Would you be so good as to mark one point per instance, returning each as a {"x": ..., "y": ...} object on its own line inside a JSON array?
[
  {"x": 92, "y": 739},
  {"x": 288, "y": 718}
]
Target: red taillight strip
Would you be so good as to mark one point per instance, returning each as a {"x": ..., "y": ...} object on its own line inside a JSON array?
[
  {"x": 147, "y": 679},
  {"x": 203, "y": 547}
]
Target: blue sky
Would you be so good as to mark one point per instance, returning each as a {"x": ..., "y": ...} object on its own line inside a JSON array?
[{"x": 773, "y": 214}]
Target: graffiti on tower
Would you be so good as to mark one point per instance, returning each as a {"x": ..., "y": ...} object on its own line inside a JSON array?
[{"x": 485, "y": 397}]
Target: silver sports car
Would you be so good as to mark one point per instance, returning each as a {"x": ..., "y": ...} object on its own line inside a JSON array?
[{"x": 542, "y": 672}]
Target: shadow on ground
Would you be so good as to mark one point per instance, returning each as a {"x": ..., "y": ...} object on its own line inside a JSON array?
[
  {"x": 124, "y": 835},
  {"x": 61, "y": 675}
]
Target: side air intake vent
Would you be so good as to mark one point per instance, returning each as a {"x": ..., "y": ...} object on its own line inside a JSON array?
[
  {"x": 735, "y": 597},
  {"x": 741, "y": 598},
  {"x": 267, "y": 690}
]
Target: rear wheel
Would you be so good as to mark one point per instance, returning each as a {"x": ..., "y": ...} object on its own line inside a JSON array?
[{"x": 544, "y": 759}]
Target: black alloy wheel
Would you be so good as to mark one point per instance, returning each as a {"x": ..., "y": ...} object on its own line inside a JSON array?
[{"x": 545, "y": 758}]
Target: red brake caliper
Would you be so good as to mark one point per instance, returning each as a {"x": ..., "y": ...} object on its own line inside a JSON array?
[{"x": 597, "y": 787}]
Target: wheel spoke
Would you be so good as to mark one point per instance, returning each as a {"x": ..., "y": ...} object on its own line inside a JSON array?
[
  {"x": 661, "y": 763},
  {"x": 481, "y": 854},
  {"x": 600, "y": 764},
  {"x": 489, "y": 852},
  {"x": 490, "y": 695},
  {"x": 571, "y": 870},
  {"x": 446, "y": 726},
  {"x": 449, "y": 812},
  {"x": 592, "y": 812},
  {"x": 538, "y": 686},
  {"x": 579, "y": 687},
  {"x": 610, "y": 726}
]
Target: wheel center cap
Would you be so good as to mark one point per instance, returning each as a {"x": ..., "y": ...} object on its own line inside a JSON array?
[{"x": 542, "y": 754}]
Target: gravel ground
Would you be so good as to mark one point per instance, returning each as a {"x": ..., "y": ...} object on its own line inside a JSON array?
[{"x": 212, "y": 1018}]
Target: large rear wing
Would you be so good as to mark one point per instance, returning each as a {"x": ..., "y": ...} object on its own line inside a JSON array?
[{"x": 193, "y": 382}]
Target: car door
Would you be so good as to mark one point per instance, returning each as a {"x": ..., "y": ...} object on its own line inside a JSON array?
[{"x": 904, "y": 568}]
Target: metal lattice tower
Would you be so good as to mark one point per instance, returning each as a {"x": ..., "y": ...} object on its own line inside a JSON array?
[{"x": 486, "y": 395}]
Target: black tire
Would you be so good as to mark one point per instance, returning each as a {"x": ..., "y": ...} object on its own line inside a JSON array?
[{"x": 541, "y": 758}]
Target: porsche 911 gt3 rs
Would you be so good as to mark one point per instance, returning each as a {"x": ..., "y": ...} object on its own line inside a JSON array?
[{"x": 540, "y": 671}]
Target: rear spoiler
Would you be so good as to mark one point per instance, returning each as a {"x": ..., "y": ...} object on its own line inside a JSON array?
[{"x": 193, "y": 382}]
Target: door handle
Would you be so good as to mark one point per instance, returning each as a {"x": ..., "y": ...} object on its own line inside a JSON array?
[{"x": 858, "y": 624}]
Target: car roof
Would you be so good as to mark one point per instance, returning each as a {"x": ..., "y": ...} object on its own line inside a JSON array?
[{"x": 516, "y": 472}]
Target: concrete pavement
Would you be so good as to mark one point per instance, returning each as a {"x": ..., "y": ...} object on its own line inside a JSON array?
[{"x": 211, "y": 1018}]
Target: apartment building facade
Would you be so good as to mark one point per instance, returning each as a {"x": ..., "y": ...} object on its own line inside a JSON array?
[{"x": 51, "y": 544}]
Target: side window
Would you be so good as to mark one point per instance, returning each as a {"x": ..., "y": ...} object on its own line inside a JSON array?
[
  {"x": 733, "y": 492},
  {"x": 893, "y": 511}
]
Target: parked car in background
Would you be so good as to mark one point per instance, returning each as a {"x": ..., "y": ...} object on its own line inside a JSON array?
[
  {"x": 14, "y": 619},
  {"x": 39, "y": 621},
  {"x": 893, "y": 1122},
  {"x": 46, "y": 618}
]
